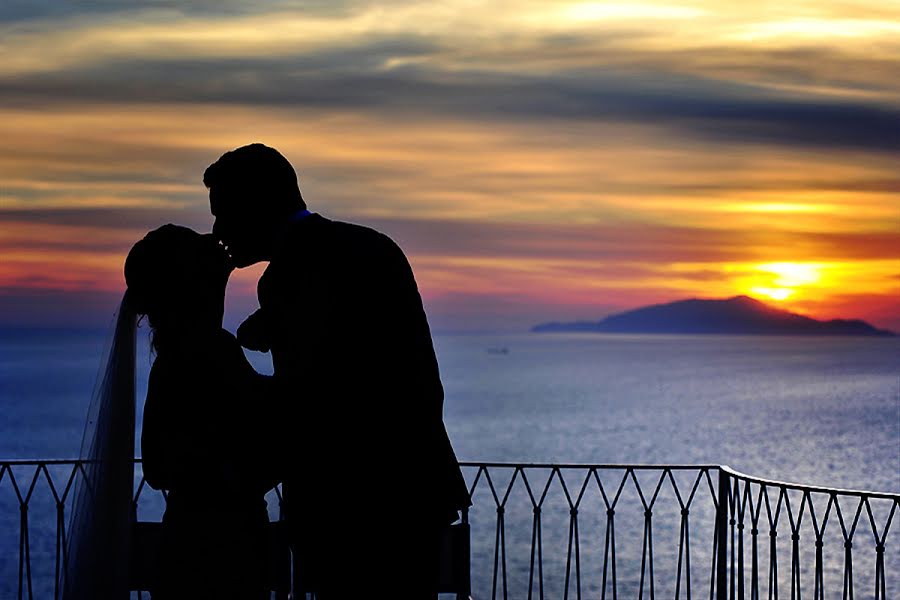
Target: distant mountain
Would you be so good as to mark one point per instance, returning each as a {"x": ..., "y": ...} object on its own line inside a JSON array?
[{"x": 738, "y": 315}]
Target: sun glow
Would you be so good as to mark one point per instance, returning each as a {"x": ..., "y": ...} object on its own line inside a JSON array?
[
  {"x": 773, "y": 293},
  {"x": 782, "y": 280},
  {"x": 790, "y": 274}
]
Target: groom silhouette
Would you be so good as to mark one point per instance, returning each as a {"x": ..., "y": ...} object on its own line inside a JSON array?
[{"x": 372, "y": 480}]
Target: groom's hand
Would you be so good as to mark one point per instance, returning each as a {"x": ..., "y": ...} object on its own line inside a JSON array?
[{"x": 254, "y": 333}]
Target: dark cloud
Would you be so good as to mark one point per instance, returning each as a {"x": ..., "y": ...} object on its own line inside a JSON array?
[
  {"x": 355, "y": 78},
  {"x": 628, "y": 241},
  {"x": 620, "y": 241},
  {"x": 111, "y": 218},
  {"x": 886, "y": 185},
  {"x": 15, "y": 11}
]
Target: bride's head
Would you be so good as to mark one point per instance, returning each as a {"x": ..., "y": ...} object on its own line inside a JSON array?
[{"x": 177, "y": 278}]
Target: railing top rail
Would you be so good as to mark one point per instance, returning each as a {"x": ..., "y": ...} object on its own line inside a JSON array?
[
  {"x": 36, "y": 462},
  {"x": 587, "y": 466},
  {"x": 621, "y": 466},
  {"x": 582, "y": 466},
  {"x": 809, "y": 488}
]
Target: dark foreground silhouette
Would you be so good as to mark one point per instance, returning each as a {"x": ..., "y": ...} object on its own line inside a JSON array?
[
  {"x": 358, "y": 377},
  {"x": 356, "y": 391},
  {"x": 210, "y": 423}
]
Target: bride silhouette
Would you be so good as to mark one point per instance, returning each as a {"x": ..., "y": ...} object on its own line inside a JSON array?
[
  {"x": 208, "y": 438},
  {"x": 207, "y": 423}
]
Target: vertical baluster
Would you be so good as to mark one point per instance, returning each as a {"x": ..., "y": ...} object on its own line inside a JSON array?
[
  {"x": 722, "y": 536},
  {"x": 60, "y": 528},
  {"x": 848, "y": 569},
  {"x": 687, "y": 554},
  {"x": 540, "y": 559},
  {"x": 64, "y": 551},
  {"x": 731, "y": 524},
  {"x": 643, "y": 558},
  {"x": 680, "y": 553},
  {"x": 606, "y": 548},
  {"x": 647, "y": 554},
  {"x": 23, "y": 525},
  {"x": 649, "y": 518},
  {"x": 740, "y": 550},
  {"x": 755, "y": 512},
  {"x": 879, "y": 572},
  {"x": 534, "y": 535},
  {"x": 497, "y": 536},
  {"x": 503, "y": 554},
  {"x": 568, "y": 558},
  {"x": 25, "y": 579},
  {"x": 615, "y": 581},
  {"x": 740, "y": 495},
  {"x": 572, "y": 547},
  {"x": 773, "y": 564},
  {"x": 795, "y": 566},
  {"x": 713, "y": 575},
  {"x": 819, "y": 531},
  {"x": 574, "y": 514},
  {"x": 819, "y": 592},
  {"x": 754, "y": 564}
]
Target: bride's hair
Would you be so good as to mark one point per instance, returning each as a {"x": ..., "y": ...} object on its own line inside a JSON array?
[{"x": 159, "y": 277}]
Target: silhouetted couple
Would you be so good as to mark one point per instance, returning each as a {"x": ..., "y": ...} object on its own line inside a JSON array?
[{"x": 351, "y": 422}]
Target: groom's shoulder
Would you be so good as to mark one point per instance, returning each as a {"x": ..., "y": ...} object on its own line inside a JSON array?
[
  {"x": 337, "y": 240},
  {"x": 365, "y": 236}
]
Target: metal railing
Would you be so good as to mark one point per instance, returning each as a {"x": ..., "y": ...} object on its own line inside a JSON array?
[
  {"x": 765, "y": 506},
  {"x": 570, "y": 531}
]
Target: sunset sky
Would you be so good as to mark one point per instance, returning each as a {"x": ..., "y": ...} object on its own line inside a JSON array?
[{"x": 537, "y": 160}]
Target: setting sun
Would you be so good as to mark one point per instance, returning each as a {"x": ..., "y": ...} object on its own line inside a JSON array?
[
  {"x": 790, "y": 274},
  {"x": 773, "y": 293},
  {"x": 782, "y": 280}
]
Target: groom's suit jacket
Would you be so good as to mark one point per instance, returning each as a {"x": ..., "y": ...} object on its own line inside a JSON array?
[{"x": 353, "y": 355}]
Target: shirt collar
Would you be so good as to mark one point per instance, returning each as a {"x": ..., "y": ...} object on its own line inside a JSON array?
[{"x": 299, "y": 215}]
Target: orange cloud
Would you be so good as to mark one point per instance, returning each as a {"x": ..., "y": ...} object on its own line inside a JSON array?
[{"x": 557, "y": 155}]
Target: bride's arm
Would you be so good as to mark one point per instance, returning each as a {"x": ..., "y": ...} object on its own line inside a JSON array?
[
  {"x": 153, "y": 442},
  {"x": 175, "y": 455}
]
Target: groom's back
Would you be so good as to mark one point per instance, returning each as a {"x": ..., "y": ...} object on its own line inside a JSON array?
[
  {"x": 351, "y": 343},
  {"x": 372, "y": 464}
]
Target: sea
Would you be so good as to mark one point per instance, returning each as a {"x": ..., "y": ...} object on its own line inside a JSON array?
[{"x": 821, "y": 411}]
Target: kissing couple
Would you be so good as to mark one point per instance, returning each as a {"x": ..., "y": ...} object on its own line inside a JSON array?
[{"x": 350, "y": 423}]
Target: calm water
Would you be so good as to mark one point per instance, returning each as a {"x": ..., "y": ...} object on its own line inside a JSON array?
[{"x": 819, "y": 411}]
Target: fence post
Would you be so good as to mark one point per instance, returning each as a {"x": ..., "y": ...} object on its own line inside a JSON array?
[{"x": 722, "y": 536}]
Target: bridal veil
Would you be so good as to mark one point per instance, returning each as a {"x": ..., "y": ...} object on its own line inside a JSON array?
[{"x": 98, "y": 545}]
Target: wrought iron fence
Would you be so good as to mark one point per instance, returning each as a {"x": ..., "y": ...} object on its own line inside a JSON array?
[
  {"x": 570, "y": 531},
  {"x": 829, "y": 555}
]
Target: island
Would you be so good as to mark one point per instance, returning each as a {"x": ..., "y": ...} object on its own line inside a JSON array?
[{"x": 739, "y": 315}]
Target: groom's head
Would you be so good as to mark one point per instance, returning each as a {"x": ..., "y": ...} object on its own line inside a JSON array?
[{"x": 253, "y": 191}]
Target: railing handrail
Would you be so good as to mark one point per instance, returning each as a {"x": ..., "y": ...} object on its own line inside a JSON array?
[
  {"x": 589, "y": 466},
  {"x": 808, "y": 488},
  {"x": 731, "y": 501}
]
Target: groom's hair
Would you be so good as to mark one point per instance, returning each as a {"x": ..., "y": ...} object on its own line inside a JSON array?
[{"x": 258, "y": 174}]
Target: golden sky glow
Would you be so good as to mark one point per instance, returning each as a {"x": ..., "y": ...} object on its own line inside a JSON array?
[{"x": 538, "y": 160}]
